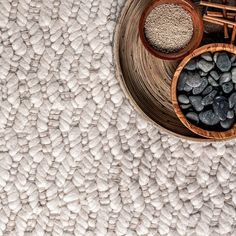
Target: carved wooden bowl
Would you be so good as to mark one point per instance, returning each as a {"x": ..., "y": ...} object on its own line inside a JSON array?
[
  {"x": 197, "y": 29},
  {"x": 218, "y": 135}
]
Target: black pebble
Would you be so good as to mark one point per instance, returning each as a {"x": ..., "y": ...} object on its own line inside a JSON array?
[
  {"x": 225, "y": 77},
  {"x": 223, "y": 62},
  {"x": 191, "y": 65},
  {"x": 187, "y": 88},
  {"x": 202, "y": 73},
  {"x": 214, "y": 74},
  {"x": 221, "y": 107},
  {"x": 227, "y": 124},
  {"x": 205, "y": 66},
  {"x": 185, "y": 106},
  {"x": 207, "y": 56},
  {"x": 208, "y": 99},
  {"x": 196, "y": 101},
  {"x": 209, "y": 118},
  {"x": 201, "y": 87},
  {"x": 212, "y": 82},
  {"x": 230, "y": 114},
  {"x": 227, "y": 87},
  {"x": 232, "y": 100},
  {"x": 182, "y": 98},
  {"x": 193, "y": 79},
  {"x": 233, "y": 58},
  {"x": 207, "y": 90},
  {"x": 233, "y": 72},
  {"x": 181, "y": 81},
  {"x": 192, "y": 116}
]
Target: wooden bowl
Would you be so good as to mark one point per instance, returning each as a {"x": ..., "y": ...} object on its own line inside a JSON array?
[
  {"x": 144, "y": 78},
  {"x": 219, "y": 135},
  {"x": 197, "y": 29}
]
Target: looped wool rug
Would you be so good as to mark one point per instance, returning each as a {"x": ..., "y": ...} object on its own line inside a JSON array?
[{"x": 75, "y": 157}]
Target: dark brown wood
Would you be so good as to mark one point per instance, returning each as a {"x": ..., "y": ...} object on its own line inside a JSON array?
[
  {"x": 233, "y": 33},
  {"x": 208, "y": 134},
  {"x": 197, "y": 29},
  {"x": 226, "y": 34}
]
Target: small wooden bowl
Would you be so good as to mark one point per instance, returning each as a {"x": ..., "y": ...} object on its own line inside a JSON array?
[
  {"x": 197, "y": 29},
  {"x": 220, "y": 135}
]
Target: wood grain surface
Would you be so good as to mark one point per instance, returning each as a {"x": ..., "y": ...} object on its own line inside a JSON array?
[
  {"x": 196, "y": 17},
  {"x": 208, "y": 134},
  {"x": 145, "y": 79}
]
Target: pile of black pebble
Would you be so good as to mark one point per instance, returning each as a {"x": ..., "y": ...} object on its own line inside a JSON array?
[{"x": 206, "y": 91}]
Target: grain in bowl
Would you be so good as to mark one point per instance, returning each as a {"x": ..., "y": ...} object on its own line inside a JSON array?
[{"x": 168, "y": 28}]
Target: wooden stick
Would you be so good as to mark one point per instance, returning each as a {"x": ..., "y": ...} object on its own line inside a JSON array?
[
  {"x": 226, "y": 34},
  {"x": 224, "y": 21},
  {"x": 229, "y": 15},
  {"x": 216, "y": 5},
  {"x": 206, "y": 18},
  {"x": 233, "y": 34}
]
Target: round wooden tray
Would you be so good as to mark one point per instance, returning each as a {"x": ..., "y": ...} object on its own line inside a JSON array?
[{"x": 145, "y": 79}]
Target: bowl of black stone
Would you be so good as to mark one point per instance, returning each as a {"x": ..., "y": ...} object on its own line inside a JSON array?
[{"x": 203, "y": 91}]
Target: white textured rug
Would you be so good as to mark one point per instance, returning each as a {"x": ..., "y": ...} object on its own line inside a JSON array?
[{"x": 75, "y": 157}]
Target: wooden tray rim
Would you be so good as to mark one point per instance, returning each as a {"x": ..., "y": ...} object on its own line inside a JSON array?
[{"x": 120, "y": 77}]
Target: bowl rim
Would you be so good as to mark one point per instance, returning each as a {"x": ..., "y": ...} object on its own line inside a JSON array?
[
  {"x": 219, "y": 135},
  {"x": 198, "y": 29}
]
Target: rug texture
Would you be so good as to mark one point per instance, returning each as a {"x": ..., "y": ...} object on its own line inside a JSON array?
[{"x": 75, "y": 157}]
